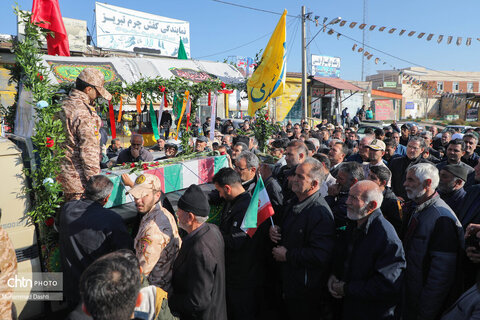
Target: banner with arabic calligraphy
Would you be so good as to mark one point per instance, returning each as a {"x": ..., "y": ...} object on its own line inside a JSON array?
[
  {"x": 124, "y": 29},
  {"x": 325, "y": 66}
]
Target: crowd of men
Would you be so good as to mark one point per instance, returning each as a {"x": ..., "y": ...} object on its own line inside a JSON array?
[{"x": 383, "y": 226}]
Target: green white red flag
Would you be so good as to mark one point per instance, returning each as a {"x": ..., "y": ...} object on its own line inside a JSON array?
[{"x": 259, "y": 209}]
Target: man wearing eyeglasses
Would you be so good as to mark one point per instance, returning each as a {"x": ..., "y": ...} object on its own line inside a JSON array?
[
  {"x": 136, "y": 152},
  {"x": 82, "y": 133}
]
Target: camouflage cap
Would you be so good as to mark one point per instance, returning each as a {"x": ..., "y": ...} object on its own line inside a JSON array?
[
  {"x": 144, "y": 184},
  {"x": 95, "y": 78},
  {"x": 377, "y": 144}
]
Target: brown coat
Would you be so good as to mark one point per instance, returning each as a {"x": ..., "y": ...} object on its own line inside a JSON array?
[{"x": 82, "y": 145}]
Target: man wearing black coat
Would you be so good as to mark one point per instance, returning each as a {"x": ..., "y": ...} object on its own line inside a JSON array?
[
  {"x": 304, "y": 235},
  {"x": 198, "y": 278},
  {"x": 244, "y": 267},
  {"x": 391, "y": 208},
  {"x": 398, "y": 166},
  {"x": 88, "y": 231},
  {"x": 369, "y": 259}
]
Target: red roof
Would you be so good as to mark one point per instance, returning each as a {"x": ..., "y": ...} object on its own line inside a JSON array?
[{"x": 338, "y": 83}]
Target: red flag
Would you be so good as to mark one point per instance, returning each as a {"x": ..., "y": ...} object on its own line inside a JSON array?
[
  {"x": 112, "y": 119},
  {"x": 48, "y": 12}
]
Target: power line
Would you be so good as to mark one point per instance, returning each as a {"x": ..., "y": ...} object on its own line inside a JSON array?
[
  {"x": 251, "y": 8},
  {"x": 240, "y": 46}
]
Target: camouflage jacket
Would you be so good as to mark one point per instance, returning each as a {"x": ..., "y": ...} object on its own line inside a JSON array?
[
  {"x": 82, "y": 145},
  {"x": 8, "y": 269},
  {"x": 157, "y": 244}
]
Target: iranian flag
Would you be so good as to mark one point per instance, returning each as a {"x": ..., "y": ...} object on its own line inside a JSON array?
[{"x": 259, "y": 209}]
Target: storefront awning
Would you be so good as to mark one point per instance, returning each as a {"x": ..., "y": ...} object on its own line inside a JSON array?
[
  {"x": 337, "y": 83},
  {"x": 130, "y": 70},
  {"x": 386, "y": 94}
]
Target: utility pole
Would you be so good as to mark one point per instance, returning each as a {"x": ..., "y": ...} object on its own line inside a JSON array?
[
  {"x": 304, "y": 66},
  {"x": 363, "y": 37}
]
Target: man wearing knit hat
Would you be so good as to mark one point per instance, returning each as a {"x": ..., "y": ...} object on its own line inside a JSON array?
[
  {"x": 198, "y": 279},
  {"x": 157, "y": 242},
  {"x": 450, "y": 188}
]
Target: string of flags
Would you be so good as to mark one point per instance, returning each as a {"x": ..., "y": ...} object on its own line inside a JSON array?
[{"x": 390, "y": 30}]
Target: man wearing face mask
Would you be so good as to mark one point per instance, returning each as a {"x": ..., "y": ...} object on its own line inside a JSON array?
[
  {"x": 433, "y": 244},
  {"x": 369, "y": 261}
]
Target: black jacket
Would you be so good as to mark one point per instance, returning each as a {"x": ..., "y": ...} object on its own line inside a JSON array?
[
  {"x": 243, "y": 255},
  {"x": 308, "y": 233},
  {"x": 198, "y": 278},
  {"x": 274, "y": 193},
  {"x": 398, "y": 167},
  {"x": 87, "y": 232},
  {"x": 371, "y": 261},
  {"x": 391, "y": 209},
  {"x": 339, "y": 208}
]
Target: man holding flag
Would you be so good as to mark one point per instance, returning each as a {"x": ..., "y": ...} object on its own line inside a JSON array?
[
  {"x": 305, "y": 243},
  {"x": 244, "y": 267}
]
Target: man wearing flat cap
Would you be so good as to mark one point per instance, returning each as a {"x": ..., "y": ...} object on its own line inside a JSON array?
[
  {"x": 82, "y": 130},
  {"x": 157, "y": 242},
  {"x": 450, "y": 188},
  {"x": 198, "y": 279}
]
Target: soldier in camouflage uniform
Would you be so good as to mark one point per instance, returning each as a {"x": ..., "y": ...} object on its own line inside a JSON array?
[
  {"x": 8, "y": 269},
  {"x": 157, "y": 242},
  {"x": 81, "y": 124}
]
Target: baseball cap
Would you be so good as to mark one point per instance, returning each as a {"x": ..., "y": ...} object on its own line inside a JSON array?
[
  {"x": 95, "y": 78},
  {"x": 377, "y": 144},
  {"x": 144, "y": 184},
  {"x": 202, "y": 139}
]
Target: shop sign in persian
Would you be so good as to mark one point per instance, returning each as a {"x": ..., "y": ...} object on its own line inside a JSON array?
[{"x": 130, "y": 30}]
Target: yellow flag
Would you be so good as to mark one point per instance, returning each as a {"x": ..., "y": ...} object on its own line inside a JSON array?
[
  {"x": 268, "y": 79},
  {"x": 185, "y": 99}
]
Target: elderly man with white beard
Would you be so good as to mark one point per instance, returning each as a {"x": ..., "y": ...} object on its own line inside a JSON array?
[
  {"x": 433, "y": 243},
  {"x": 369, "y": 259}
]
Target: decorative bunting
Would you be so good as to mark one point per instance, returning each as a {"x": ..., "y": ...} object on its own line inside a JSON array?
[
  {"x": 139, "y": 103},
  {"x": 420, "y": 35},
  {"x": 153, "y": 120},
  {"x": 376, "y": 60},
  {"x": 184, "y": 106},
  {"x": 338, "y": 35},
  {"x": 112, "y": 119},
  {"x": 354, "y": 47},
  {"x": 165, "y": 100},
  {"x": 331, "y": 31},
  {"x": 213, "y": 115},
  {"x": 360, "y": 49},
  {"x": 120, "y": 109}
]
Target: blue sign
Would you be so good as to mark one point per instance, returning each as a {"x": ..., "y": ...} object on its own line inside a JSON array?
[{"x": 410, "y": 105}]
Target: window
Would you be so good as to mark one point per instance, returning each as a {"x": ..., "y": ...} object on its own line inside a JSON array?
[
  {"x": 455, "y": 87},
  {"x": 440, "y": 86},
  {"x": 469, "y": 87}
]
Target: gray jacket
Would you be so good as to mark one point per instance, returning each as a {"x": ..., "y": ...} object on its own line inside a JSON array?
[
  {"x": 432, "y": 253},
  {"x": 467, "y": 306}
]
